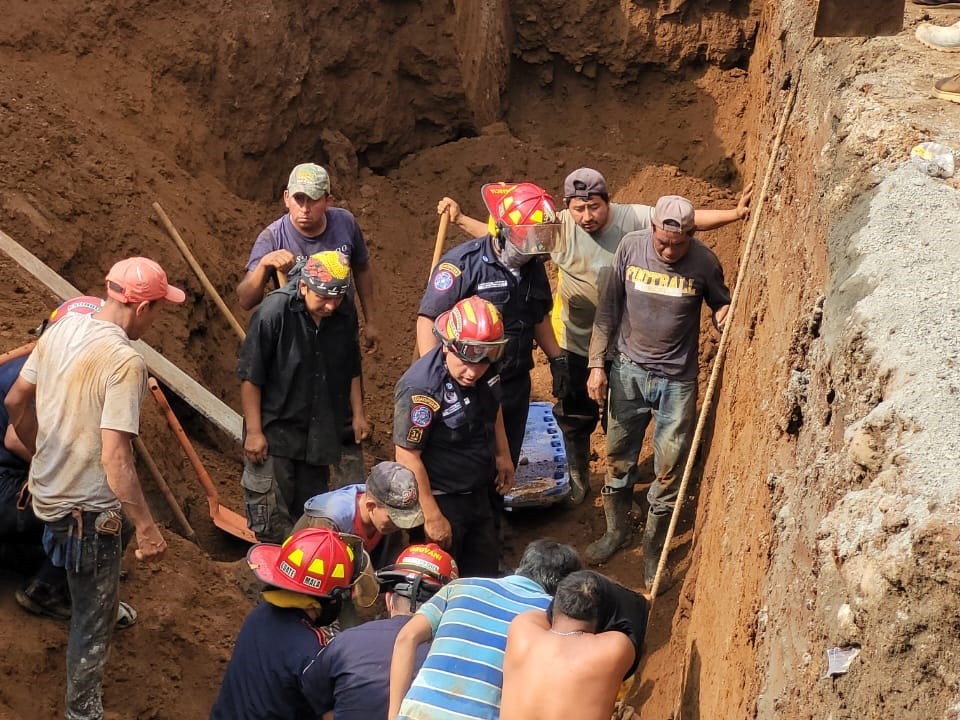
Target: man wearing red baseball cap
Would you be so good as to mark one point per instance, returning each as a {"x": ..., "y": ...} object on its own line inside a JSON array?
[{"x": 76, "y": 408}]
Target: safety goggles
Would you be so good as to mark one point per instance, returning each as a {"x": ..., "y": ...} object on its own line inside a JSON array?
[
  {"x": 533, "y": 239},
  {"x": 477, "y": 352}
]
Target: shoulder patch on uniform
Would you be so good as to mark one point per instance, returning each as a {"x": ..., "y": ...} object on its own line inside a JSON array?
[
  {"x": 450, "y": 268},
  {"x": 421, "y": 415},
  {"x": 425, "y": 400},
  {"x": 443, "y": 280},
  {"x": 414, "y": 435}
]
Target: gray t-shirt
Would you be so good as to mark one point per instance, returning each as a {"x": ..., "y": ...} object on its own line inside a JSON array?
[
  {"x": 583, "y": 262},
  {"x": 650, "y": 309}
]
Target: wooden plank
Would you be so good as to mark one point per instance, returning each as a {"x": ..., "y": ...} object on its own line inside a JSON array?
[{"x": 192, "y": 392}]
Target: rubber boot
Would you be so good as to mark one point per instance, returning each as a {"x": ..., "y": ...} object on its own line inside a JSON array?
[
  {"x": 654, "y": 533},
  {"x": 578, "y": 465},
  {"x": 616, "y": 505}
]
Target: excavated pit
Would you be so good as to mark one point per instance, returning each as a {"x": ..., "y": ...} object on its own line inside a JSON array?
[{"x": 819, "y": 517}]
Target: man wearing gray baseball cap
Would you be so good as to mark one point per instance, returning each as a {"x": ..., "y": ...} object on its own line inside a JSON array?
[
  {"x": 375, "y": 512},
  {"x": 648, "y": 329}
]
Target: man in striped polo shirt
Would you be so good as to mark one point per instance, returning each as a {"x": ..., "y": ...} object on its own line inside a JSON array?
[{"x": 467, "y": 621}]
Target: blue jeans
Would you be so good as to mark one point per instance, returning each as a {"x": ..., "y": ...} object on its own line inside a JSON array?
[
  {"x": 93, "y": 576},
  {"x": 636, "y": 397}
]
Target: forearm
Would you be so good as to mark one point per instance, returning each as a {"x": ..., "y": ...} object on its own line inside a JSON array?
[
  {"x": 545, "y": 337},
  {"x": 120, "y": 469},
  {"x": 250, "y": 397},
  {"x": 500, "y": 435},
  {"x": 712, "y": 219},
  {"x": 412, "y": 460},
  {"x": 471, "y": 226},
  {"x": 426, "y": 340},
  {"x": 250, "y": 290},
  {"x": 416, "y": 631},
  {"x": 605, "y": 322},
  {"x": 364, "y": 280},
  {"x": 356, "y": 397}
]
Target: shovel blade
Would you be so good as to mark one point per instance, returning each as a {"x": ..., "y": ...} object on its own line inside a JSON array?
[
  {"x": 858, "y": 18},
  {"x": 230, "y": 522}
]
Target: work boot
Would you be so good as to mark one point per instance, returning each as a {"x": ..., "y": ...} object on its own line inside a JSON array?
[
  {"x": 937, "y": 3},
  {"x": 945, "y": 39},
  {"x": 948, "y": 88},
  {"x": 616, "y": 505},
  {"x": 654, "y": 534},
  {"x": 41, "y": 598},
  {"x": 578, "y": 465}
]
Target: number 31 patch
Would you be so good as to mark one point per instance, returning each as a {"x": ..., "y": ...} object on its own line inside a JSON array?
[{"x": 421, "y": 415}]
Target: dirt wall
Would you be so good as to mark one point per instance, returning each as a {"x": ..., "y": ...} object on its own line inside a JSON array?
[{"x": 828, "y": 511}]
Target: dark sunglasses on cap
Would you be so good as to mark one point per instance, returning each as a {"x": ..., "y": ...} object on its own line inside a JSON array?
[{"x": 476, "y": 352}]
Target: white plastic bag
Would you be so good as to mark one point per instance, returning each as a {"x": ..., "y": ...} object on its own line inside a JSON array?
[{"x": 934, "y": 159}]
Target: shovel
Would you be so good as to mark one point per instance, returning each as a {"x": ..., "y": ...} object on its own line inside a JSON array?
[
  {"x": 224, "y": 518},
  {"x": 866, "y": 18}
]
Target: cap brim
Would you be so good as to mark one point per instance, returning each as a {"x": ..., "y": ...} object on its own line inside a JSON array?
[
  {"x": 262, "y": 559},
  {"x": 175, "y": 294},
  {"x": 406, "y": 519},
  {"x": 306, "y": 190}
]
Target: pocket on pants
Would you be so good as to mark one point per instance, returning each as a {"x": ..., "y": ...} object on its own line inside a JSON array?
[{"x": 259, "y": 494}]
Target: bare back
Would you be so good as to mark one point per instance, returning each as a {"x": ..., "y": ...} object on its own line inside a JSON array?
[{"x": 547, "y": 676}]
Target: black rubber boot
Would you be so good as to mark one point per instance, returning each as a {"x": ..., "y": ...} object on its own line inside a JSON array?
[
  {"x": 41, "y": 598},
  {"x": 654, "y": 534},
  {"x": 578, "y": 465},
  {"x": 616, "y": 505}
]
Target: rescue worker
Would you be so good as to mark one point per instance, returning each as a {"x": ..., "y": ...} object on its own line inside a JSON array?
[
  {"x": 300, "y": 378},
  {"x": 648, "y": 322},
  {"x": 76, "y": 408},
  {"x": 591, "y": 229},
  {"x": 351, "y": 676},
  {"x": 505, "y": 267},
  {"x": 312, "y": 224},
  {"x": 375, "y": 512},
  {"x": 46, "y": 593},
  {"x": 590, "y": 637},
  {"x": 448, "y": 429},
  {"x": 466, "y": 623},
  {"x": 307, "y": 579}
]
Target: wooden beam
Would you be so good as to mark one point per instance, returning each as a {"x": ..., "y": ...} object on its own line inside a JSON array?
[{"x": 192, "y": 392}]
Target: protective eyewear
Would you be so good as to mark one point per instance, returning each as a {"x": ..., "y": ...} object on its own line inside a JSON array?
[
  {"x": 533, "y": 239},
  {"x": 477, "y": 352}
]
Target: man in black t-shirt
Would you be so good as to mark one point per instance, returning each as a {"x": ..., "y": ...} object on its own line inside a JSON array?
[
  {"x": 648, "y": 324},
  {"x": 300, "y": 379},
  {"x": 448, "y": 429}
]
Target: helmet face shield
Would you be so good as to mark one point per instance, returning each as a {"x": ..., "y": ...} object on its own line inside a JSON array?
[{"x": 533, "y": 239}]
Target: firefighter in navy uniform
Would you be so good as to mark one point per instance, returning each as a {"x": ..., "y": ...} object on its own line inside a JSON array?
[
  {"x": 506, "y": 268},
  {"x": 448, "y": 429}
]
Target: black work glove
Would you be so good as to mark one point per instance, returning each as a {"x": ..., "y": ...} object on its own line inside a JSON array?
[{"x": 560, "y": 371}]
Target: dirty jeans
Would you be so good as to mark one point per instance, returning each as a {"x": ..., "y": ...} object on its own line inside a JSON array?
[
  {"x": 275, "y": 491},
  {"x": 93, "y": 576},
  {"x": 636, "y": 397}
]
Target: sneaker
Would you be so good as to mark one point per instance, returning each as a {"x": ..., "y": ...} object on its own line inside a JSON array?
[
  {"x": 945, "y": 39},
  {"x": 41, "y": 598},
  {"x": 948, "y": 88},
  {"x": 937, "y": 3}
]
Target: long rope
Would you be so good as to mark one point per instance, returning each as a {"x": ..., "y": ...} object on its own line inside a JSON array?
[{"x": 724, "y": 339}]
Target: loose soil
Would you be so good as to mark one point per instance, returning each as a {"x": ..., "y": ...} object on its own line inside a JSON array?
[{"x": 106, "y": 107}]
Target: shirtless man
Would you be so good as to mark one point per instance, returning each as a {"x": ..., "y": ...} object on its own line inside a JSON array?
[{"x": 570, "y": 660}]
